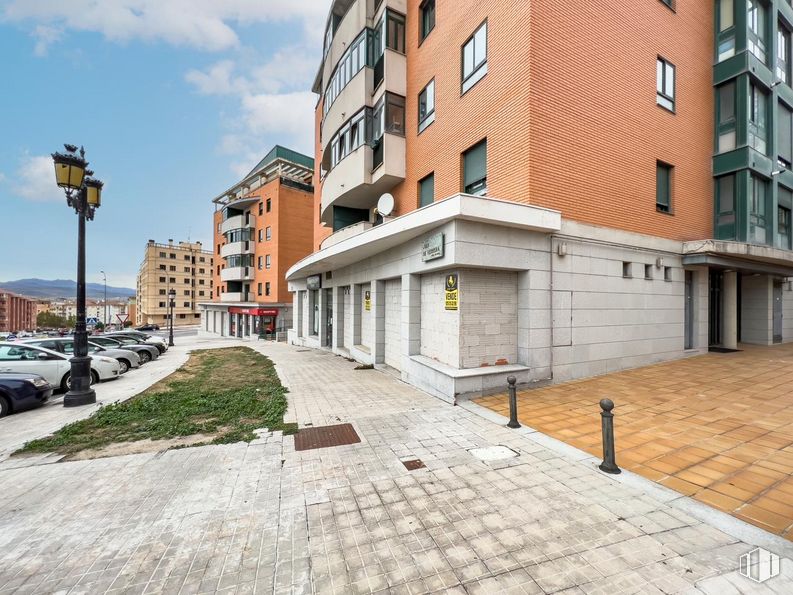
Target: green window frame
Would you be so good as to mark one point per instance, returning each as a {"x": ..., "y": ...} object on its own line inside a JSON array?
[
  {"x": 665, "y": 84},
  {"x": 725, "y": 197},
  {"x": 725, "y": 117},
  {"x": 784, "y": 129},
  {"x": 783, "y": 226},
  {"x": 758, "y": 223},
  {"x": 757, "y": 21},
  {"x": 663, "y": 187},
  {"x": 427, "y": 105},
  {"x": 427, "y": 20},
  {"x": 475, "y": 169},
  {"x": 474, "y": 58},
  {"x": 427, "y": 190},
  {"x": 758, "y": 118},
  {"x": 783, "y": 53}
]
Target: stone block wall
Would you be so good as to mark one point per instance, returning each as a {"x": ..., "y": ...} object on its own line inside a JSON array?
[
  {"x": 440, "y": 329},
  {"x": 367, "y": 318},
  {"x": 393, "y": 323},
  {"x": 756, "y": 309}
]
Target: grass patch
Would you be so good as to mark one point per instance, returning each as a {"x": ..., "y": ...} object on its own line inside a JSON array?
[{"x": 224, "y": 394}]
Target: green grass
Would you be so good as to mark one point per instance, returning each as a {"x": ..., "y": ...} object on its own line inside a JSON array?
[{"x": 222, "y": 393}]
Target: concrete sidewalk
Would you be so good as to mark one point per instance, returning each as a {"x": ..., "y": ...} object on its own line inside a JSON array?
[{"x": 263, "y": 518}]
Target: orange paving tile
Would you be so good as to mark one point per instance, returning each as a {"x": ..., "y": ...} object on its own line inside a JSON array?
[{"x": 717, "y": 427}]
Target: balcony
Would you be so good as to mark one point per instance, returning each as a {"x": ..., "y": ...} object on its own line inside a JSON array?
[
  {"x": 237, "y": 222},
  {"x": 235, "y": 297},
  {"x": 237, "y": 274},
  {"x": 352, "y": 183},
  {"x": 343, "y": 234},
  {"x": 236, "y": 248},
  {"x": 352, "y": 23}
]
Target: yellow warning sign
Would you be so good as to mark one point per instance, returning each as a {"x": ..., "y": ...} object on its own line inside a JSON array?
[
  {"x": 452, "y": 292},
  {"x": 367, "y": 301}
]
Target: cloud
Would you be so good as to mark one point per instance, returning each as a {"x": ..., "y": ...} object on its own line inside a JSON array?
[
  {"x": 45, "y": 36},
  {"x": 35, "y": 180},
  {"x": 201, "y": 24}
]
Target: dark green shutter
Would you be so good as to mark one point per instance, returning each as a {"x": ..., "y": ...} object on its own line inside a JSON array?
[
  {"x": 427, "y": 190},
  {"x": 475, "y": 164}
]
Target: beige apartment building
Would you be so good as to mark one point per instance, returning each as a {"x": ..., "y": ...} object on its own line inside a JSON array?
[{"x": 187, "y": 268}]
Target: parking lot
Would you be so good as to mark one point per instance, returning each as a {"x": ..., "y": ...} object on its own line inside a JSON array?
[{"x": 717, "y": 427}]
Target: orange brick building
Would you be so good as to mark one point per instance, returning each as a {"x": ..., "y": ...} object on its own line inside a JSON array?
[
  {"x": 17, "y": 313},
  {"x": 594, "y": 195},
  {"x": 262, "y": 226}
]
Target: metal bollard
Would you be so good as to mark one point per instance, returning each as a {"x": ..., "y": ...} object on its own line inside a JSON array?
[
  {"x": 609, "y": 464},
  {"x": 513, "y": 403}
]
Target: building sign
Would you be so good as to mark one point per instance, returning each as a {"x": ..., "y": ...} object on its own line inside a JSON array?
[
  {"x": 432, "y": 247},
  {"x": 367, "y": 300},
  {"x": 452, "y": 292},
  {"x": 314, "y": 282},
  {"x": 254, "y": 311}
]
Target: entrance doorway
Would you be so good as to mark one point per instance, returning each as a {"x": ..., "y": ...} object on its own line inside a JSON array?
[
  {"x": 715, "y": 307},
  {"x": 777, "y": 311},
  {"x": 689, "y": 315},
  {"x": 329, "y": 317}
]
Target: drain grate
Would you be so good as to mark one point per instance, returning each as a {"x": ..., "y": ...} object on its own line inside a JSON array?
[
  {"x": 413, "y": 464},
  {"x": 325, "y": 436}
]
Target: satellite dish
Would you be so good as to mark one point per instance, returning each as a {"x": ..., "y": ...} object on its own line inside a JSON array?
[{"x": 385, "y": 206}]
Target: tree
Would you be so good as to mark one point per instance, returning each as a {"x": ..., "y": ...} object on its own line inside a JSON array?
[
  {"x": 100, "y": 326},
  {"x": 50, "y": 320},
  {"x": 127, "y": 323}
]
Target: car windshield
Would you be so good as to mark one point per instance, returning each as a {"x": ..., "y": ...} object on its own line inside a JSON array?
[{"x": 18, "y": 353}]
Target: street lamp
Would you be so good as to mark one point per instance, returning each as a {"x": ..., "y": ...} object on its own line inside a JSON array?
[
  {"x": 84, "y": 195},
  {"x": 171, "y": 299},
  {"x": 104, "y": 319}
]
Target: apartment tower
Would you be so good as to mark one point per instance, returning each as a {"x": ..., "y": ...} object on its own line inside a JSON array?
[
  {"x": 184, "y": 267},
  {"x": 549, "y": 190},
  {"x": 262, "y": 226},
  {"x": 17, "y": 313}
]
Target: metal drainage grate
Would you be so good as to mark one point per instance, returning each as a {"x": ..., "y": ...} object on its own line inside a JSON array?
[
  {"x": 413, "y": 464},
  {"x": 325, "y": 436}
]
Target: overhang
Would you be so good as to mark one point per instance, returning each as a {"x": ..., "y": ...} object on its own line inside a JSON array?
[
  {"x": 739, "y": 256},
  {"x": 401, "y": 229}
]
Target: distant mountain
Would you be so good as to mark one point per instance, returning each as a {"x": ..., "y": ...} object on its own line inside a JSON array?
[{"x": 63, "y": 288}]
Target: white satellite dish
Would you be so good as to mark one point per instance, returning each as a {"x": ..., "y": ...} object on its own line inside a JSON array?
[{"x": 385, "y": 206}]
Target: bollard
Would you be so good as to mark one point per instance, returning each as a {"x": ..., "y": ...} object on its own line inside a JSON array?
[
  {"x": 513, "y": 403},
  {"x": 609, "y": 464}
]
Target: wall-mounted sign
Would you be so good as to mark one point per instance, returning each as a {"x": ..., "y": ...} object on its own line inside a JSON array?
[
  {"x": 452, "y": 293},
  {"x": 314, "y": 282},
  {"x": 254, "y": 311},
  {"x": 367, "y": 300},
  {"x": 432, "y": 247}
]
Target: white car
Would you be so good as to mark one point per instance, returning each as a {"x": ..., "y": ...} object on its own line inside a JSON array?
[
  {"x": 53, "y": 366},
  {"x": 65, "y": 345}
]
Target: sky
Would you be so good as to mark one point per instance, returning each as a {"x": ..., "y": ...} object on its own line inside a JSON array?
[{"x": 173, "y": 100}]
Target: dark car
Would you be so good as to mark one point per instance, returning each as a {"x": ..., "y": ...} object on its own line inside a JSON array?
[
  {"x": 22, "y": 391},
  {"x": 148, "y": 327}
]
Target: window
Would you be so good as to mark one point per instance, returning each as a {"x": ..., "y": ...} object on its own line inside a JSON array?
[
  {"x": 758, "y": 102},
  {"x": 187, "y": 281},
  {"x": 269, "y": 205},
  {"x": 427, "y": 24},
  {"x": 757, "y": 211},
  {"x": 626, "y": 270},
  {"x": 783, "y": 54},
  {"x": 261, "y": 208},
  {"x": 725, "y": 34},
  {"x": 187, "y": 269},
  {"x": 268, "y": 233},
  {"x": 475, "y": 169},
  {"x": 351, "y": 62},
  {"x": 261, "y": 235},
  {"x": 162, "y": 304},
  {"x": 258, "y": 289},
  {"x": 187, "y": 257},
  {"x": 667, "y": 273},
  {"x": 475, "y": 58},
  {"x": 665, "y": 84},
  {"x": 218, "y": 248},
  {"x": 186, "y": 305},
  {"x": 427, "y": 105},
  {"x": 162, "y": 254},
  {"x": 267, "y": 288},
  {"x": 784, "y": 136},
  {"x": 756, "y": 19},
  {"x": 201, "y": 271},
  {"x": 267, "y": 261},
  {"x": 172, "y": 255},
  {"x": 201, "y": 259},
  {"x": 162, "y": 279},
  {"x": 349, "y": 137},
  {"x": 663, "y": 187},
  {"x": 725, "y": 190},
  {"x": 201, "y": 293},
  {"x": 162, "y": 267},
  {"x": 172, "y": 280},
  {"x": 200, "y": 281},
  {"x": 162, "y": 292},
  {"x": 395, "y": 31},
  {"x": 783, "y": 227},
  {"x": 172, "y": 268},
  {"x": 725, "y": 104},
  {"x": 427, "y": 190},
  {"x": 260, "y": 263},
  {"x": 648, "y": 271},
  {"x": 186, "y": 292},
  {"x": 669, "y": 3}
]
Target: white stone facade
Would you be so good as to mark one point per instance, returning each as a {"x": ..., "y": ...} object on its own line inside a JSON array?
[{"x": 549, "y": 304}]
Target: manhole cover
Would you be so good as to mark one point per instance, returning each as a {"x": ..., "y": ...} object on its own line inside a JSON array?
[
  {"x": 493, "y": 453},
  {"x": 325, "y": 436},
  {"x": 413, "y": 464}
]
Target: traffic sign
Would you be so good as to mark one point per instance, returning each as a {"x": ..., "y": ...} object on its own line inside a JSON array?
[
  {"x": 122, "y": 318},
  {"x": 93, "y": 321}
]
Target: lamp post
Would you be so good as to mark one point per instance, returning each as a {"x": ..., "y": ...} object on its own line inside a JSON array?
[
  {"x": 84, "y": 195},
  {"x": 104, "y": 319},
  {"x": 171, "y": 300}
]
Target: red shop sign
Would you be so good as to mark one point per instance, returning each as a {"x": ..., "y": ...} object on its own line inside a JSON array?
[{"x": 254, "y": 311}]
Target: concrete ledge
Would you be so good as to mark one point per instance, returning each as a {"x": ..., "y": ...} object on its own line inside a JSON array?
[
  {"x": 450, "y": 383},
  {"x": 362, "y": 354}
]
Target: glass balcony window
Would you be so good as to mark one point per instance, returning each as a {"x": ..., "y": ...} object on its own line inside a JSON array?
[
  {"x": 756, "y": 19},
  {"x": 758, "y": 107}
]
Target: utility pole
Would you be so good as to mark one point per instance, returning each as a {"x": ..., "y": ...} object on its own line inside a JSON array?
[{"x": 104, "y": 320}]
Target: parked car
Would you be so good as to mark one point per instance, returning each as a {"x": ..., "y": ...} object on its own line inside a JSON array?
[
  {"x": 127, "y": 359},
  {"x": 150, "y": 339},
  {"x": 148, "y": 327},
  {"x": 22, "y": 391},
  {"x": 53, "y": 366},
  {"x": 144, "y": 351}
]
